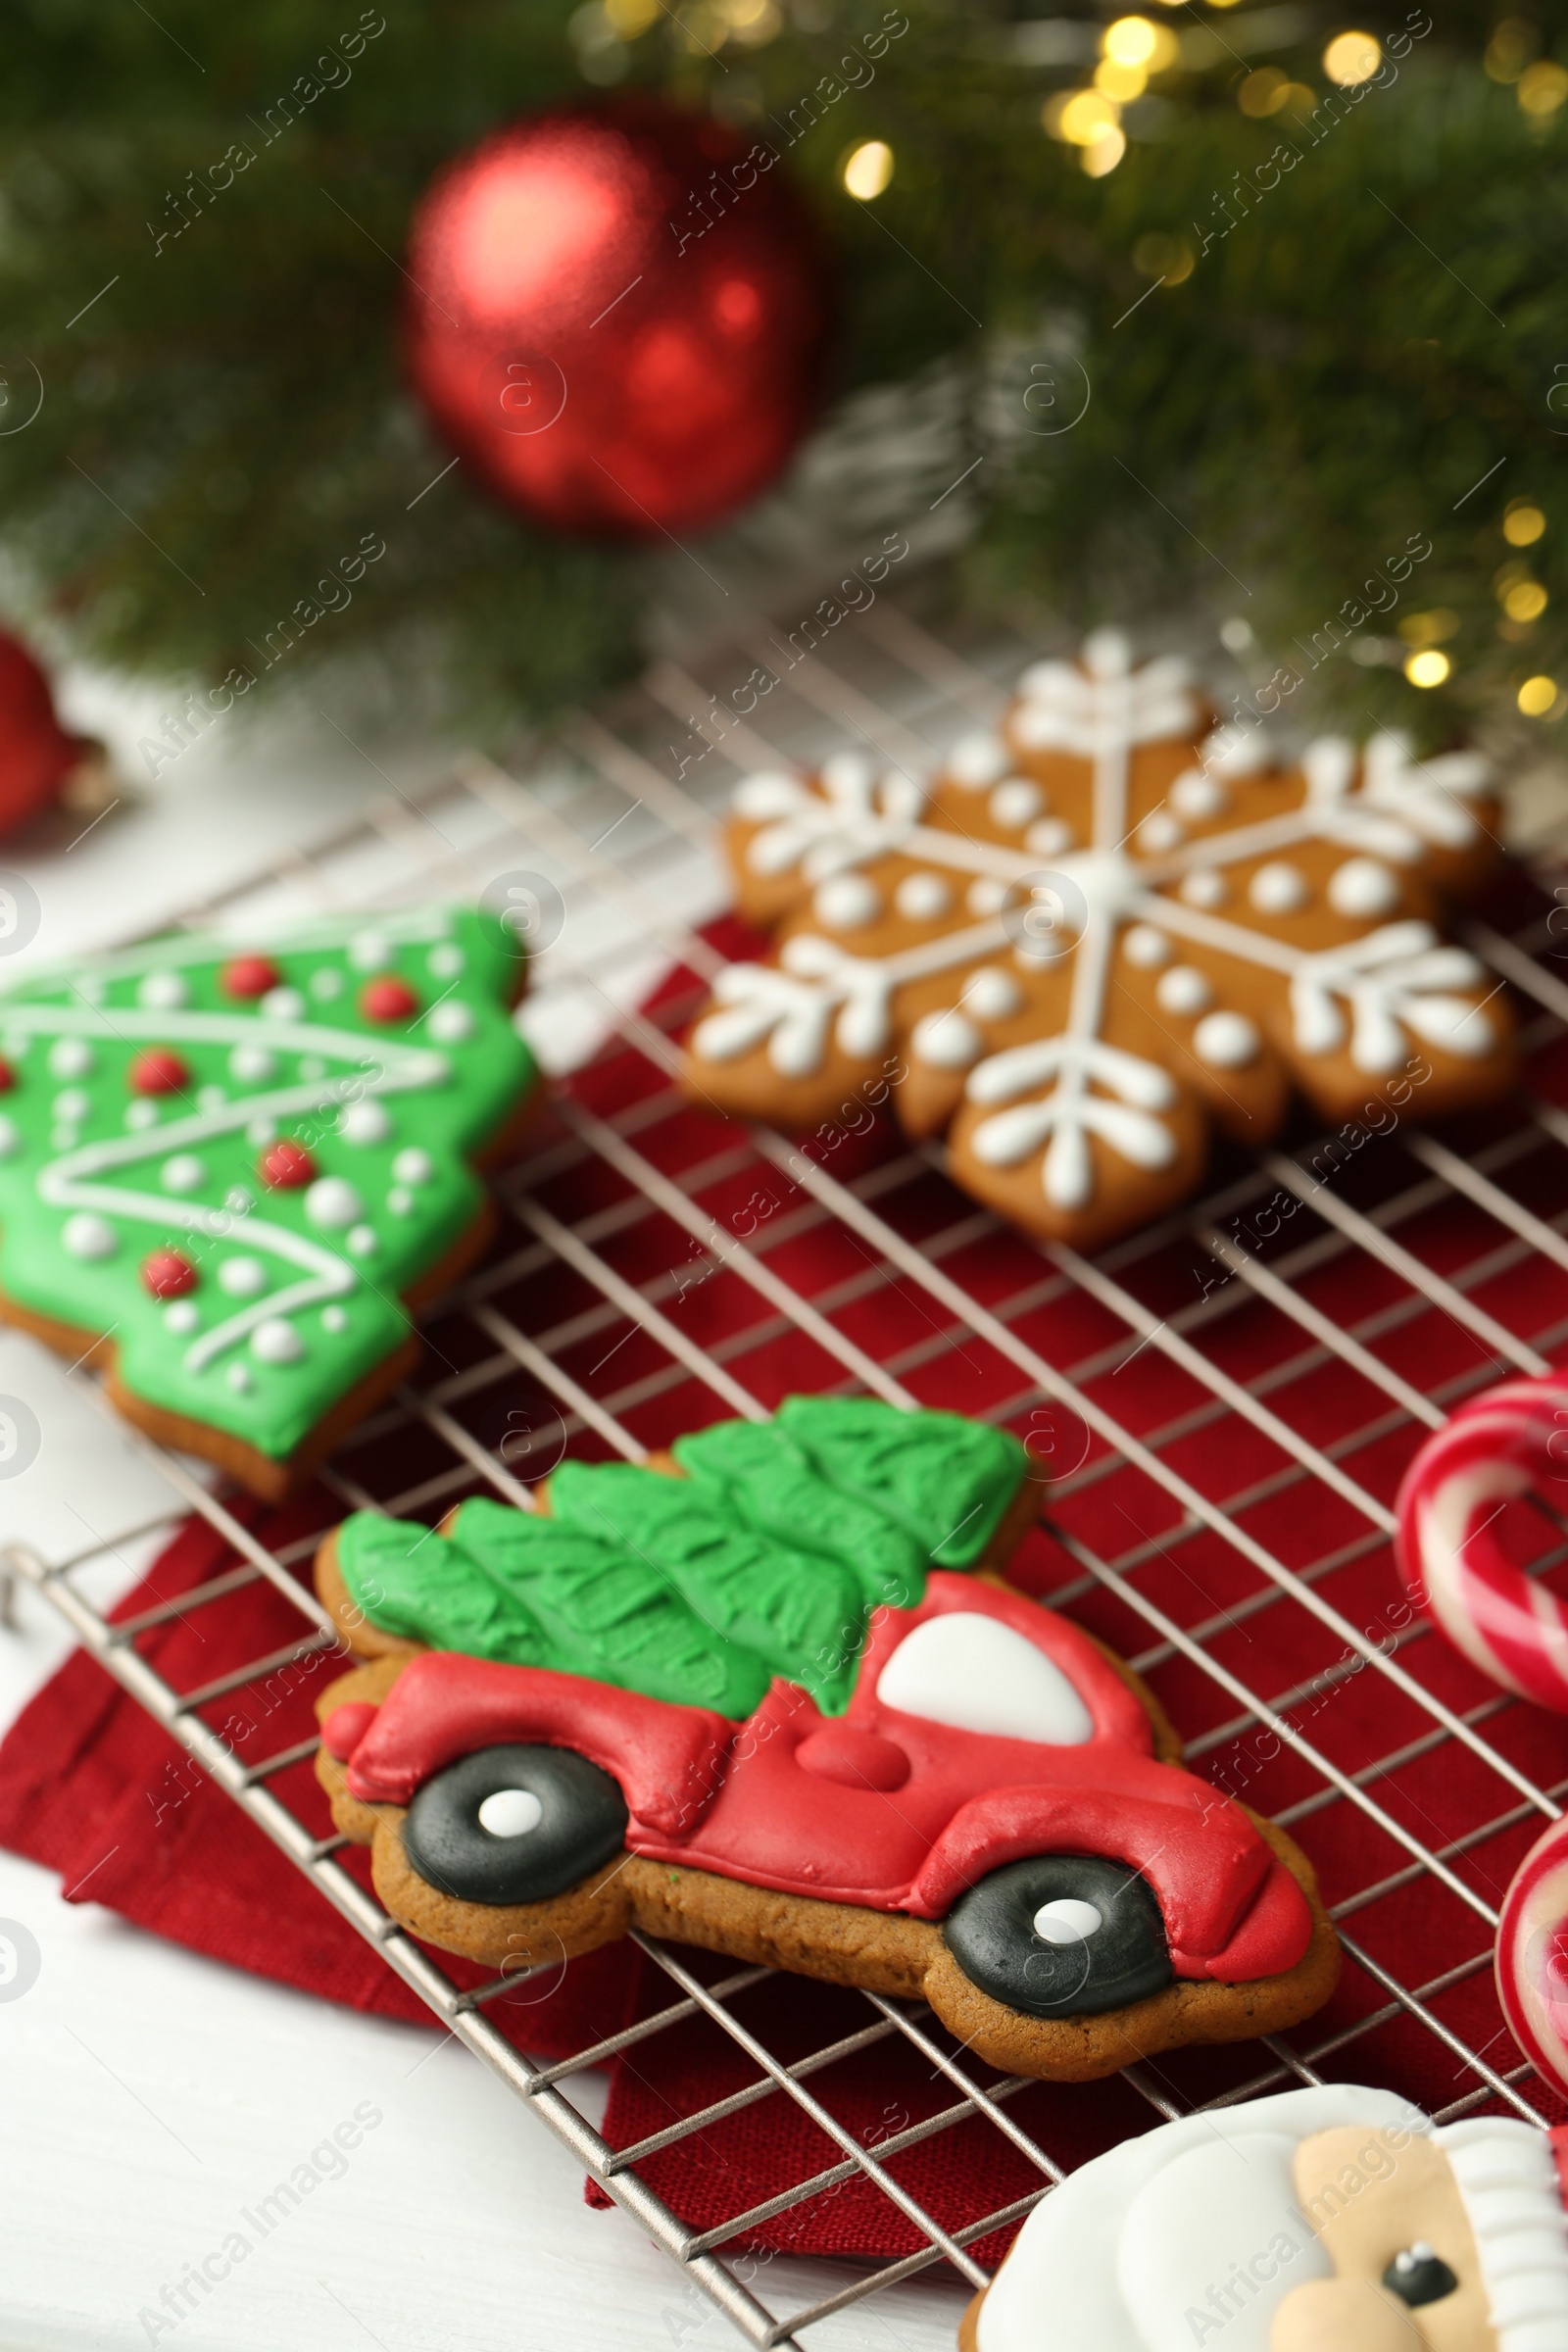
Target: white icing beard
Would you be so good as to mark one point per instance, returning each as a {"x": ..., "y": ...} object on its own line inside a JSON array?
[{"x": 1188, "y": 2236}]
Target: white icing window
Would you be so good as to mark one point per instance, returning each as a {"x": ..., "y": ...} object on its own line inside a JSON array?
[{"x": 978, "y": 1674}]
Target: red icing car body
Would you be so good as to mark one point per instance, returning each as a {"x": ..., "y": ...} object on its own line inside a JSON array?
[{"x": 1003, "y": 1734}]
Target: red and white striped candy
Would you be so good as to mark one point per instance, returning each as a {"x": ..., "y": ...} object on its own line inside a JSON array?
[
  {"x": 1501, "y": 1445},
  {"x": 1533, "y": 1960}
]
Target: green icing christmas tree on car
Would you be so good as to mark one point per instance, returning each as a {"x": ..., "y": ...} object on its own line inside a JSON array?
[{"x": 765, "y": 1556}]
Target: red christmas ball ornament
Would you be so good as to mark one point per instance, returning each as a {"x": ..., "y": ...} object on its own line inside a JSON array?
[
  {"x": 158, "y": 1071},
  {"x": 8, "y": 1076},
  {"x": 248, "y": 976},
  {"x": 388, "y": 999},
  {"x": 168, "y": 1273},
  {"x": 619, "y": 317},
  {"x": 286, "y": 1165}
]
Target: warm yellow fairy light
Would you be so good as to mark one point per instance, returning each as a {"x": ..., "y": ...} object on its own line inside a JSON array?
[
  {"x": 1124, "y": 83},
  {"x": 1131, "y": 41},
  {"x": 867, "y": 169},
  {"x": 1428, "y": 669},
  {"x": 1526, "y": 600},
  {"x": 1351, "y": 57},
  {"x": 1105, "y": 153},
  {"x": 1085, "y": 118},
  {"x": 1537, "y": 696},
  {"x": 1523, "y": 524},
  {"x": 1543, "y": 87}
]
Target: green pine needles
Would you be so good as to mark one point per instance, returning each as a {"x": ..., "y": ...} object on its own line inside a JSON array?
[{"x": 1295, "y": 365}]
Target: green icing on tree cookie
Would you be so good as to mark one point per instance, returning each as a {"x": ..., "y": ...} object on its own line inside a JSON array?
[
  {"x": 411, "y": 1582},
  {"x": 946, "y": 1480},
  {"x": 609, "y": 1612},
  {"x": 237, "y": 1161},
  {"x": 769, "y": 1480},
  {"x": 800, "y": 1613}
]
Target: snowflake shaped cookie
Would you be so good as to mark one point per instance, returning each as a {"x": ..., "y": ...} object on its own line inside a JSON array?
[{"x": 1101, "y": 931}]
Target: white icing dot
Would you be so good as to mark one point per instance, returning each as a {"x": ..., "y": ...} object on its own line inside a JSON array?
[
  {"x": 946, "y": 1041},
  {"x": 364, "y": 1122},
  {"x": 180, "y": 1317},
  {"x": 1226, "y": 1040},
  {"x": 275, "y": 1341},
  {"x": 1278, "y": 888},
  {"x": 1050, "y": 838},
  {"x": 1159, "y": 832},
  {"x": 1182, "y": 989},
  {"x": 162, "y": 992},
  {"x": 312, "y": 1066},
  {"x": 331, "y": 1201},
  {"x": 1068, "y": 1920},
  {"x": 1362, "y": 885},
  {"x": 242, "y": 1277},
  {"x": 987, "y": 896},
  {"x": 1197, "y": 796},
  {"x": 260, "y": 1130},
  {"x": 72, "y": 1103},
  {"x": 326, "y": 983},
  {"x": 509, "y": 1813},
  {"x": 449, "y": 1024},
  {"x": 993, "y": 995},
  {"x": 1015, "y": 804},
  {"x": 446, "y": 961},
  {"x": 400, "y": 1202},
  {"x": 334, "y": 1318},
  {"x": 362, "y": 1241},
  {"x": 414, "y": 1166},
  {"x": 1147, "y": 948},
  {"x": 10, "y": 1137},
  {"x": 846, "y": 902},
  {"x": 1204, "y": 886},
  {"x": 240, "y": 1379},
  {"x": 371, "y": 951},
  {"x": 70, "y": 1057},
  {"x": 923, "y": 897},
  {"x": 283, "y": 1004},
  {"x": 252, "y": 1065},
  {"x": 141, "y": 1113},
  {"x": 63, "y": 1139},
  {"x": 769, "y": 793},
  {"x": 183, "y": 1173},
  {"x": 848, "y": 771},
  {"x": 211, "y": 1097},
  {"x": 87, "y": 1236},
  {"x": 978, "y": 760}
]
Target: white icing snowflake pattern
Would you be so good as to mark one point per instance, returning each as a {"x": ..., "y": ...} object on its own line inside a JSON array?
[{"x": 1045, "y": 859}]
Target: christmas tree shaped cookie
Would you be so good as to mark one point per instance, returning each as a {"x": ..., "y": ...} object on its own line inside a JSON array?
[
  {"x": 235, "y": 1171},
  {"x": 1103, "y": 931}
]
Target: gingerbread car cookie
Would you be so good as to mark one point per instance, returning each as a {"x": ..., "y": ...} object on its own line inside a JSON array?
[
  {"x": 1103, "y": 931},
  {"x": 235, "y": 1173},
  {"x": 768, "y": 1697},
  {"x": 1330, "y": 2220}
]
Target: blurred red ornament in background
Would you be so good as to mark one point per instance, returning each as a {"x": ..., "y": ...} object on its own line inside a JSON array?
[
  {"x": 39, "y": 762},
  {"x": 619, "y": 316}
]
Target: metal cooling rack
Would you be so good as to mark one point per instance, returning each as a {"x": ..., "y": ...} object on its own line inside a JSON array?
[{"x": 1408, "y": 1281}]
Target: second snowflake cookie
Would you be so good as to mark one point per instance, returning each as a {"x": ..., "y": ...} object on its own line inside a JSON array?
[{"x": 1103, "y": 931}]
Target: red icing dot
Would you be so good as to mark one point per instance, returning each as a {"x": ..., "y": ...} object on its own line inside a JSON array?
[
  {"x": 158, "y": 1071},
  {"x": 168, "y": 1274},
  {"x": 248, "y": 976},
  {"x": 345, "y": 1728},
  {"x": 286, "y": 1164},
  {"x": 388, "y": 999},
  {"x": 8, "y": 1076}
]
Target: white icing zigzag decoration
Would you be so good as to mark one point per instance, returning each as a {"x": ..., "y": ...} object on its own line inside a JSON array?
[{"x": 1100, "y": 834}]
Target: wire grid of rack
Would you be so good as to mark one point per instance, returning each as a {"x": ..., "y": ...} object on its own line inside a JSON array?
[{"x": 1257, "y": 1414}]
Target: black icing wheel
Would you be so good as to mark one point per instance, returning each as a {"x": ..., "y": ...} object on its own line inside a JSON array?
[
  {"x": 514, "y": 1824},
  {"x": 1061, "y": 1936}
]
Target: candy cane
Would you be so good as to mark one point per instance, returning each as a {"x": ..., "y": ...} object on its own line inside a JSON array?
[
  {"x": 1504, "y": 1442},
  {"x": 1532, "y": 1962}
]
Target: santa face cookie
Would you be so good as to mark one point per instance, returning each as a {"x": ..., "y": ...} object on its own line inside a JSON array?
[
  {"x": 1333, "y": 2220},
  {"x": 232, "y": 1169},
  {"x": 764, "y": 1697},
  {"x": 1104, "y": 931}
]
